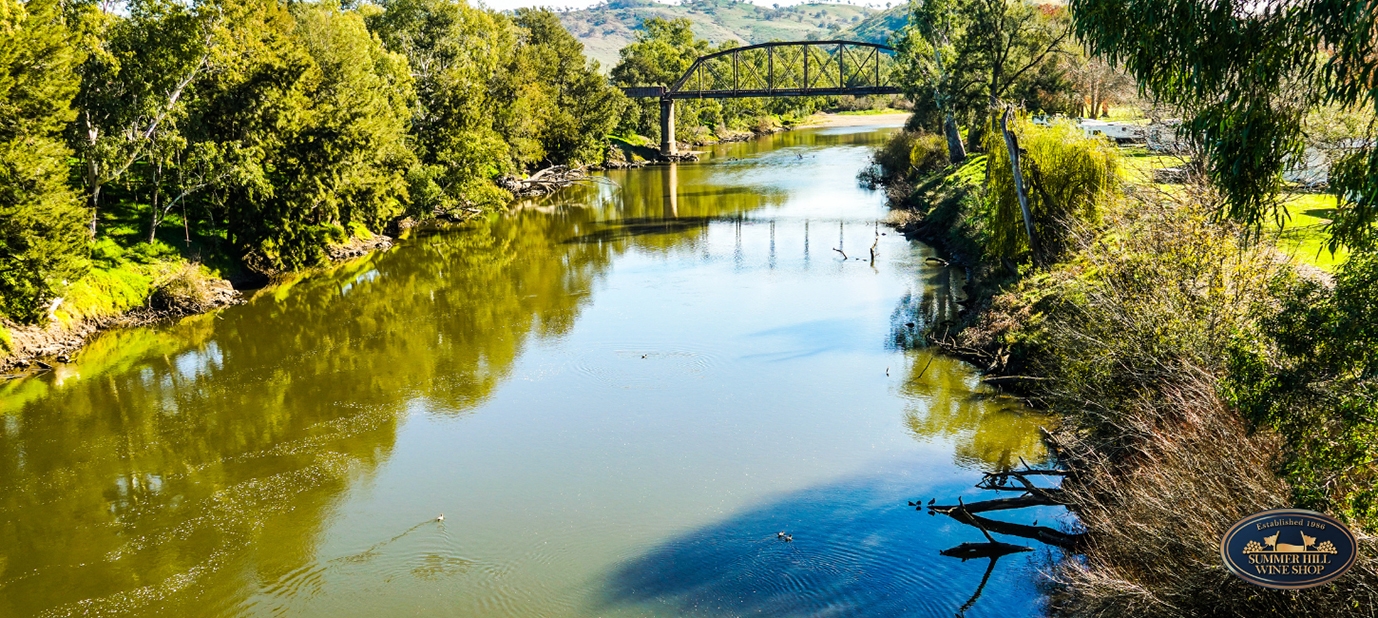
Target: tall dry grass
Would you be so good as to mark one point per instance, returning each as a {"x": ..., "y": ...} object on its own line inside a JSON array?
[
  {"x": 1129, "y": 339},
  {"x": 1157, "y": 507}
]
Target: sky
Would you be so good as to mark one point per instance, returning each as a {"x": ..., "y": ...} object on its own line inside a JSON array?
[{"x": 503, "y": 5}]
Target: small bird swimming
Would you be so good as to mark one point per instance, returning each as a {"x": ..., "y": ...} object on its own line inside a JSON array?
[
  {"x": 789, "y": 538},
  {"x": 440, "y": 517},
  {"x": 779, "y": 535}
]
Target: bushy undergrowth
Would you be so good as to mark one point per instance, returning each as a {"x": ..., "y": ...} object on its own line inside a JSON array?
[
  {"x": 911, "y": 154},
  {"x": 1161, "y": 290},
  {"x": 1129, "y": 340},
  {"x": 1157, "y": 512},
  {"x": 1313, "y": 377},
  {"x": 1202, "y": 376}
]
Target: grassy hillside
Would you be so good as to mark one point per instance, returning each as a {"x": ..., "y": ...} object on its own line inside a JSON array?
[
  {"x": 878, "y": 27},
  {"x": 606, "y": 28}
]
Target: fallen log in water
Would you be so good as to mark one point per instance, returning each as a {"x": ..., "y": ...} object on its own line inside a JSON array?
[
  {"x": 1032, "y": 496},
  {"x": 1042, "y": 534},
  {"x": 548, "y": 180}
]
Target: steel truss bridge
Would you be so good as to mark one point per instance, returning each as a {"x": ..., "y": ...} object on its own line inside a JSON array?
[{"x": 782, "y": 69}]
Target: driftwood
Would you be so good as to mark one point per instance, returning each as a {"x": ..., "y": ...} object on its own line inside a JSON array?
[
  {"x": 548, "y": 180},
  {"x": 1033, "y": 495},
  {"x": 991, "y": 549},
  {"x": 1042, "y": 534}
]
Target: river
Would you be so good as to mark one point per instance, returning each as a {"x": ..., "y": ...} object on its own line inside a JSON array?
[{"x": 616, "y": 396}]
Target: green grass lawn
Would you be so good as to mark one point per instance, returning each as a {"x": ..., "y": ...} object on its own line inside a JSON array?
[{"x": 1303, "y": 235}]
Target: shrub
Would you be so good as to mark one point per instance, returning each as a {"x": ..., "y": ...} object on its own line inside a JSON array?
[
  {"x": 186, "y": 289},
  {"x": 1072, "y": 179},
  {"x": 1314, "y": 378},
  {"x": 910, "y": 154},
  {"x": 1161, "y": 291}
]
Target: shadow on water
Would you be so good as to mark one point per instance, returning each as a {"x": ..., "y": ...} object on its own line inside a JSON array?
[
  {"x": 856, "y": 551},
  {"x": 626, "y": 228}
]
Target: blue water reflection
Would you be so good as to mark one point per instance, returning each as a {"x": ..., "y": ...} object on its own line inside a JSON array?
[{"x": 858, "y": 550}]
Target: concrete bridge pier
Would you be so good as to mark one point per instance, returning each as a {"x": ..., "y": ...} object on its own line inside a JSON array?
[{"x": 667, "y": 127}]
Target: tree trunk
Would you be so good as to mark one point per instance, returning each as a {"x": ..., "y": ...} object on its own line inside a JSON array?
[
  {"x": 1012, "y": 144},
  {"x": 155, "y": 217},
  {"x": 92, "y": 173},
  {"x": 976, "y": 131},
  {"x": 956, "y": 151}
]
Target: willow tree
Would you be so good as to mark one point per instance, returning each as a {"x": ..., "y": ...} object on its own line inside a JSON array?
[{"x": 1246, "y": 73}]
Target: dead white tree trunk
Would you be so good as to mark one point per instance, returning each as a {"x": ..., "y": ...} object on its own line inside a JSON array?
[{"x": 1020, "y": 189}]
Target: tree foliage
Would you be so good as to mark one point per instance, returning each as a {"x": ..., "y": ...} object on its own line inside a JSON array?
[
  {"x": 41, "y": 234},
  {"x": 1314, "y": 378},
  {"x": 266, "y": 130},
  {"x": 963, "y": 58},
  {"x": 1247, "y": 74}
]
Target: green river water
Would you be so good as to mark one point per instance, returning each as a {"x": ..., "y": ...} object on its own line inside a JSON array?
[{"x": 616, "y": 395}]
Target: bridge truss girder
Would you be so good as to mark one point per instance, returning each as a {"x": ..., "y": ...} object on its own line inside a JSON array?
[{"x": 781, "y": 69}]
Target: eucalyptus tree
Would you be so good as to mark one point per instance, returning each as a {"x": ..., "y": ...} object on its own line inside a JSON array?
[
  {"x": 134, "y": 88},
  {"x": 42, "y": 241},
  {"x": 927, "y": 48},
  {"x": 1246, "y": 75},
  {"x": 968, "y": 55}
]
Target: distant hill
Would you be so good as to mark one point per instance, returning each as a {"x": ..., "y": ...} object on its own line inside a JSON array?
[
  {"x": 606, "y": 28},
  {"x": 878, "y": 27}
]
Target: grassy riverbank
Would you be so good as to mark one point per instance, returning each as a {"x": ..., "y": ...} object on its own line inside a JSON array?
[{"x": 1178, "y": 354}]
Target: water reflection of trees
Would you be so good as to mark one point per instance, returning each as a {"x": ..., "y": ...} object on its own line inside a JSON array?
[
  {"x": 990, "y": 431},
  {"x": 172, "y": 469}
]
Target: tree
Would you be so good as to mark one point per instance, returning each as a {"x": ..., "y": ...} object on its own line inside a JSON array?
[
  {"x": 42, "y": 241},
  {"x": 556, "y": 107},
  {"x": 1099, "y": 84},
  {"x": 968, "y": 55},
  {"x": 1246, "y": 75},
  {"x": 926, "y": 45},
  {"x": 309, "y": 113},
  {"x": 455, "y": 52},
  {"x": 662, "y": 52},
  {"x": 134, "y": 87}
]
